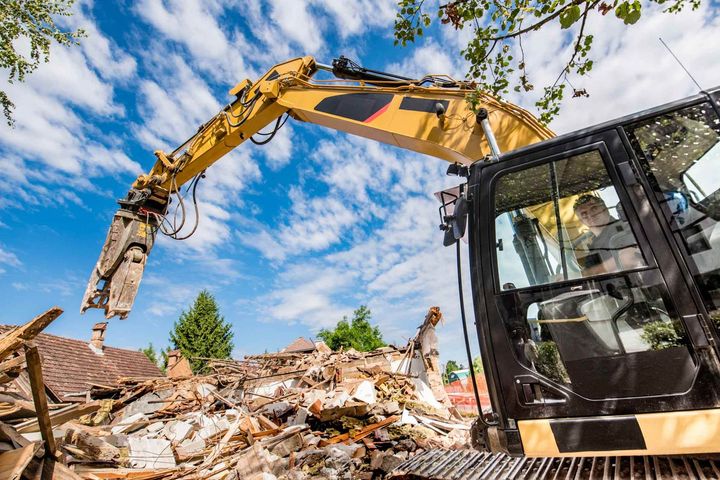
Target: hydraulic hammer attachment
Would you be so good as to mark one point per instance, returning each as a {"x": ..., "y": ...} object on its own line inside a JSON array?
[{"x": 116, "y": 277}]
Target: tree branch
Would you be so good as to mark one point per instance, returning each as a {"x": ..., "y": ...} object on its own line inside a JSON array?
[
  {"x": 566, "y": 69},
  {"x": 537, "y": 25}
]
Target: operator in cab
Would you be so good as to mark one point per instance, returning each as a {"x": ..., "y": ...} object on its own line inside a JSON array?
[{"x": 613, "y": 246}]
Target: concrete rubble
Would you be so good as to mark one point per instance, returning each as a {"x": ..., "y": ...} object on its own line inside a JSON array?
[{"x": 278, "y": 416}]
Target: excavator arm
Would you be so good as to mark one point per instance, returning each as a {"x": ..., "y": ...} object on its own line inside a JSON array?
[{"x": 429, "y": 116}]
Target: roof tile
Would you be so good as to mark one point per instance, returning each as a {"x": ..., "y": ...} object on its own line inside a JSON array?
[{"x": 69, "y": 365}]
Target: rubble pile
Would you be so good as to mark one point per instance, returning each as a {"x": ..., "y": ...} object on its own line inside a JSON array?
[{"x": 290, "y": 415}]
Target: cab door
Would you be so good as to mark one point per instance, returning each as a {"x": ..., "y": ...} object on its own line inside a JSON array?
[{"x": 590, "y": 316}]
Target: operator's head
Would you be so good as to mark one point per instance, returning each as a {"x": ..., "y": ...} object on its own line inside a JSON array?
[{"x": 592, "y": 211}]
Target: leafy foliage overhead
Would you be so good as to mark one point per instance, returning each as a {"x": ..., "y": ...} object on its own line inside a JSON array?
[
  {"x": 202, "y": 333},
  {"x": 495, "y": 52},
  {"x": 357, "y": 334},
  {"x": 31, "y": 23}
]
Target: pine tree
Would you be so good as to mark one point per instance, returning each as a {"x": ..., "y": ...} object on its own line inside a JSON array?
[
  {"x": 202, "y": 333},
  {"x": 150, "y": 353},
  {"x": 357, "y": 334}
]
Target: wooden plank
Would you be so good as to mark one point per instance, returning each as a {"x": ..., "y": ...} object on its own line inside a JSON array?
[
  {"x": 15, "y": 339},
  {"x": 13, "y": 363},
  {"x": 40, "y": 399},
  {"x": 52, "y": 469},
  {"x": 347, "y": 438},
  {"x": 267, "y": 423},
  {"x": 14, "y": 462},
  {"x": 122, "y": 473},
  {"x": 59, "y": 417},
  {"x": 9, "y": 433},
  {"x": 14, "y": 410}
]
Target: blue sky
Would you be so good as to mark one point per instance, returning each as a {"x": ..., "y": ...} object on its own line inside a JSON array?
[{"x": 293, "y": 235}]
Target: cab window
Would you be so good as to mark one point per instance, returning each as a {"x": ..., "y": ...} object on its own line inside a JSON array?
[
  {"x": 680, "y": 155},
  {"x": 561, "y": 220}
]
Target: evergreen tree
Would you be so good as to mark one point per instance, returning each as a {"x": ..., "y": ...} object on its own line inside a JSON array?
[
  {"x": 357, "y": 334},
  {"x": 202, "y": 333},
  {"x": 150, "y": 353},
  {"x": 165, "y": 355}
]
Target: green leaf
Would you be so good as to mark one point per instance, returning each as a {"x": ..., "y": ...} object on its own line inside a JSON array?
[
  {"x": 632, "y": 17},
  {"x": 569, "y": 16}
]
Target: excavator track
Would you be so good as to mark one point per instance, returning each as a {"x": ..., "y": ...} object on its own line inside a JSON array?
[{"x": 474, "y": 465}]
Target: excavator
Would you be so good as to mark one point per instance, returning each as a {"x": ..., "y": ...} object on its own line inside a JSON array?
[{"x": 594, "y": 256}]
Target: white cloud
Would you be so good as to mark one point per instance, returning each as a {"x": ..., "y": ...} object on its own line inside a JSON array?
[
  {"x": 316, "y": 223},
  {"x": 8, "y": 259},
  {"x": 54, "y": 141},
  {"x": 66, "y": 143},
  {"x": 75, "y": 82},
  {"x": 166, "y": 297},
  {"x": 298, "y": 24},
  {"x": 430, "y": 58},
  {"x": 194, "y": 23},
  {"x": 172, "y": 113},
  {"x": 388, "y": 254},
  {"x": 279, "y": 152},
  {"x": 174, "y": 106},
  {"x": 102, "y": 53},
  {"x": 305, "y": 294},
  {"x": 355, "y": 18}
]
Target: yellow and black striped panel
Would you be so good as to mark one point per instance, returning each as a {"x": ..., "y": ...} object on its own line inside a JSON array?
[{"x": 671, "y": 433}]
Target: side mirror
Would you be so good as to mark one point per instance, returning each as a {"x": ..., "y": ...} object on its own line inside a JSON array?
[
  {"x": 455, "y": 224},
  {"x": 460, "y": 221}
]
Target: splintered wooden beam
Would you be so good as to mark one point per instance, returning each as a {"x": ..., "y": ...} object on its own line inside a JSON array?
[
  {"x": 15, "y": 339},
  {"x": 61, "y": 416},
  {"x": 12, "y": 364},
  {"x": 14, "y": 462},
  {"x": 38, "y": 392}
]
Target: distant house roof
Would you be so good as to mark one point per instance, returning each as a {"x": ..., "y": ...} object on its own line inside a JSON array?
[
  {"x": 459, "y": 374},
  {"x": 300, "y": 344},
  {"x": 70, "y": 365}
]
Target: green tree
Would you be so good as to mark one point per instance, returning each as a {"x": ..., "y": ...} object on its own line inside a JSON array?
[
  {"x": 202, "y": 333},
  {"x": 497, "y": 61},
  {"x": 450, "y": 366},
  {"x": 150, "y": 353},
  {"x": 357, "y": 334},
  {"x": 164, "y": 354},
  {"x": 31, "y": 21},
  {"x": 478, "y": 365}
]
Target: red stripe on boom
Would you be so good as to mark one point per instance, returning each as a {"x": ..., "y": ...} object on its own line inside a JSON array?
[{"x": 377, "y": 114}]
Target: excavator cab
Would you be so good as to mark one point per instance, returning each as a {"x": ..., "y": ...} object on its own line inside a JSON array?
[{"x": 596, "y": 284}]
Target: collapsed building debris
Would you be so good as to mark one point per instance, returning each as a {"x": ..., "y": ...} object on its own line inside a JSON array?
[{"x": 288, "y": 415}]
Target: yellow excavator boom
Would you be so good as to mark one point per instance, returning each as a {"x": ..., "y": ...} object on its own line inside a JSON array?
[{"x": 430, "y": 116}]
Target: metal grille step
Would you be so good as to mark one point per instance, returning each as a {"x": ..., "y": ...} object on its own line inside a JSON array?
[{"x": 474, "y": 465}]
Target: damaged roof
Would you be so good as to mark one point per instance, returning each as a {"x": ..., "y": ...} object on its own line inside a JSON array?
[
  {"x": 300, "y": 344},
  {"x": 70, "y": 365}
]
